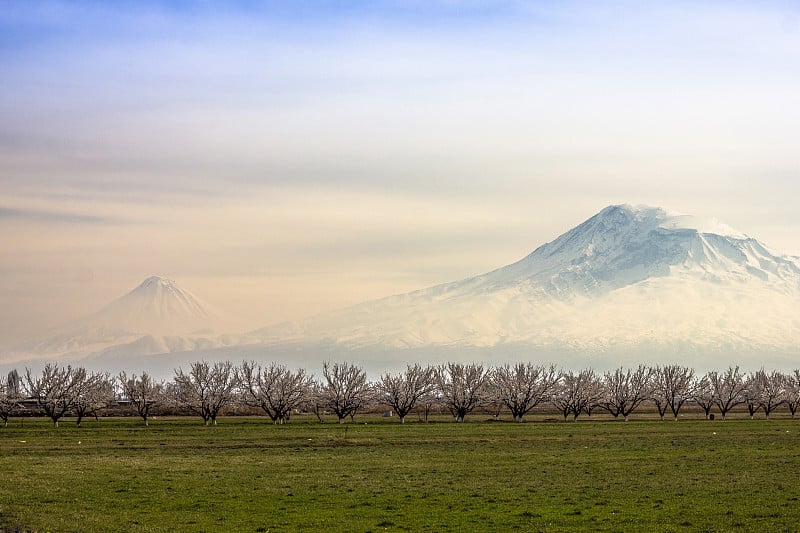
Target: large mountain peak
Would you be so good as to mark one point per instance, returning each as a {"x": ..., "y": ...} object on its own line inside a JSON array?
[
  {"x": 623, "y": 245},
  {"x": 628, "y": 276},
  {"x": 647, "y": 218}
]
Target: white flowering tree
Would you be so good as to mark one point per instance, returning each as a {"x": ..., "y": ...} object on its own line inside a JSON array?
[
  {"x": 671, "y": 387},
  {"x": 523, "y": 386},
  {"x": 576, "y": 392},
  {"x": 404, "y": 390},
  {"x": 345, "y": 389},
  {"x": 143, "y": 393},
  {"x": 93, "y": 393},
  {"x": 275, "y": 389},
  {"x": 462, "y": 386},
  {"x": 55, "y": 389},
  {"x": 205, "y": 389},
  {"x": 730, "y": 389}
]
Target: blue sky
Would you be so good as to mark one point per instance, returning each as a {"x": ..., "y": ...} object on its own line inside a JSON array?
[{"x": 285, "y": 158}]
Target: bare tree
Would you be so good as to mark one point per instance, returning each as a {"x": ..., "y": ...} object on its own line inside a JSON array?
[
  {"x": 94, "y": 392},
  {"x": 729, "y": 389},
  {"x": 54, "y": 390},
  {"x": 672, "y": 387},
  {"x": 10, "y": 396},
  {"x": 403, "y": 391},
  {"x": 275, "y": 389},
  {"x": 492, "y": 403},
  {"x": 345, "y": 390},
  {"x": 462, "y": 386},
  {"x": 625, "y": 390},
  {"x": 575, "y": 392},
  {"x": 751, "y": 395},
  {"x": 771, "y": 389},
  {"x": 703, "y": 394},
  {"x": 524, "y": 386},
  {"x": 316, "y": 400},
  {"x": 142, "y": 392},
  {"x": 206, "y": 389},
  {"x": 429, "y": 400},
  {"x": 793, "y": 391}
]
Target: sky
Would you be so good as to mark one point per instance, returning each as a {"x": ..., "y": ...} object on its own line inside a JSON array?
[{"x": 282, "y": 159}]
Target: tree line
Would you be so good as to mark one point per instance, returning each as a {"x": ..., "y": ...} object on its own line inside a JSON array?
[{"x": 208, "y": 389}]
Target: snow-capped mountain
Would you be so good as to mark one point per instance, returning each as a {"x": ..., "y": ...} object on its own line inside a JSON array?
[
  {"x": 158, "y": 307},
  {"x": 632, "y": 284},
  {"x": 629, "y": 278},
  {"x": 155, "y": 317}
]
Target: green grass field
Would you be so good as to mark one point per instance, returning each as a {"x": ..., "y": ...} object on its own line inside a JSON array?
[{"x": 247, "y": 475}]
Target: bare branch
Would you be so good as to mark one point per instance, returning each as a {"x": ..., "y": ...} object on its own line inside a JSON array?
[
  {"x": 729, "y": 389},
  {"x": 463, "y": 387},
  {"x": 402, "y": 391},
  {"x": 206, "y": 389},
  {"x": 55, "y": 390},
  {"x": 142, "y": 392},
  {"x": 274, "y": 389},
  {"x": 346, "y": 389},
  {"x": 672, "y": 387},
  {"x": 523, "y": 386}
]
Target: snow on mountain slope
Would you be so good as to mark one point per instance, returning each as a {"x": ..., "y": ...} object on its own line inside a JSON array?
[
  {"x": 631, "y": 281},
  {"x": 157, "y": 306},
  {"x": 155, "y": 317},
  {"x": 628, "y": 276}
]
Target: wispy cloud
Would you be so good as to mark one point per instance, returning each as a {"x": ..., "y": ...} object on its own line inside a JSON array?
[{"x": 52, "y": 217}]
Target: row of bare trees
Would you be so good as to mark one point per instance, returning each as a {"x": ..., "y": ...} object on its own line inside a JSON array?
[{"x": 207, "y": 389}]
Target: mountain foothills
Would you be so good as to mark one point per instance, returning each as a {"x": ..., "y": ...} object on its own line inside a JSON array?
[{"x": 631, "y": 283}]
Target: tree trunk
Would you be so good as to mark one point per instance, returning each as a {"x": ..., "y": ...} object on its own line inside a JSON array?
[
  {"x": 626, "y": 418},
  {"x": 402, "y": 419},
  {"x": 146, "y": 423},
  {"x": 341, "y": 420},
  {"x": 55, "y": 423}
]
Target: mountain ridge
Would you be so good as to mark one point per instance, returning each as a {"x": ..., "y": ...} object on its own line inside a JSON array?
[
  {"x": 566, "y": 291},
  {"x": 628, "y": 280}
]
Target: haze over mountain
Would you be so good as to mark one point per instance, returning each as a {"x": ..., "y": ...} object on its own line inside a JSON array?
[
  {"x": 155, "y": 317},
  {"x": 631, "y": 283},
  {"x": 627, "y": 278}
]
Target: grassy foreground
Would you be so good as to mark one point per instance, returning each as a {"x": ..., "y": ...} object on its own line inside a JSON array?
[{"x": 247, "y": 475}]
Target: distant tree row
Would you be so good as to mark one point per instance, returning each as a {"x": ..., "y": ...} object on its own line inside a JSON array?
[{"x": 207, "y": 389}]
